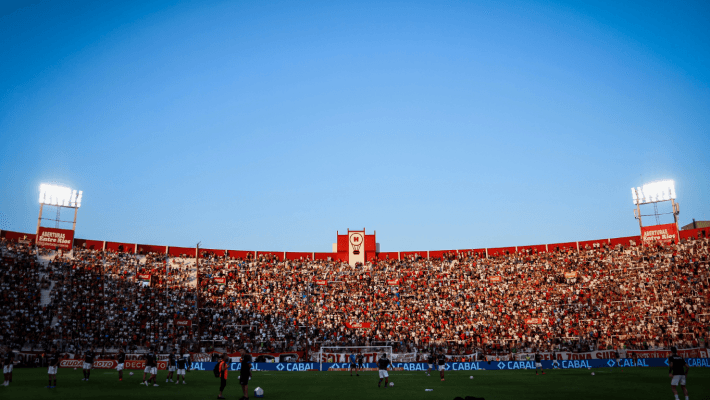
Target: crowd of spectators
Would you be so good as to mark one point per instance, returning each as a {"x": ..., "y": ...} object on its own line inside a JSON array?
[
  {"x": 22, "y": 318},
  {"x": 633, "y": 297}
]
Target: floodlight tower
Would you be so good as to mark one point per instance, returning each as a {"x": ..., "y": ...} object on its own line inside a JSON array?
[
  {"x": 60, "y": 197},
  {"x": 654, "y": 193}
]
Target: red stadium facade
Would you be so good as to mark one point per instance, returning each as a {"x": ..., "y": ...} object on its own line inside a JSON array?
[{"x": 366, "y": 246}]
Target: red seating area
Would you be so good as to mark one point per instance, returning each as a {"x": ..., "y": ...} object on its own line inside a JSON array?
[{"x": 609, "y": 293}]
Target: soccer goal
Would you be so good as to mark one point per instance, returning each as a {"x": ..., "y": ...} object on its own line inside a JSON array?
[{"x": 341, "y": 354}]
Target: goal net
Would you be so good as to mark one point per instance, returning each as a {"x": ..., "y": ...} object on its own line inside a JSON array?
[{"x": 341, "y": 354}]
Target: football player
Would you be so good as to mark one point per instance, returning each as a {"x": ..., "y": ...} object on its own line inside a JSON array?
[
  {"x": 441, "y": 360},
  {"x": 171, "y": 366},
  {"x": 53, "y": 366},
  {"x": 555, "y": 364},
  {"x": 353, "y": 363},
  {"x": 151, "y": 367},
  {"x": 430, "y": 362},
  {"x": 121, "y": 359},
  {"x": 182, "y": 366},
  {"x": 88, "y": 363},
  {"x": 8, "y": 360},
  {"x": 678, "y": 369},
  {"x": 360, "y": 361},
  {"x": 538, "y": 363},
  {"x": 382, "y": 364}
]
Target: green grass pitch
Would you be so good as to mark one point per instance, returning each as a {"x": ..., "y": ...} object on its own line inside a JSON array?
[{"x": 607, "y": 384}]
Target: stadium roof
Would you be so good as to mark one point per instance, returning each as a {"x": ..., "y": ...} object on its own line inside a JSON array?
[{"x": 696, "y": 224}]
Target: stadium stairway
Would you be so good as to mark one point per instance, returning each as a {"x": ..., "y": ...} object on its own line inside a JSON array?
[
  {"x": 46, "y": 299},
  {"x": 45, "y": 260}
]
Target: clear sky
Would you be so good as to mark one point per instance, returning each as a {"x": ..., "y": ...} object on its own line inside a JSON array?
[{"x": 271, "y": 125}]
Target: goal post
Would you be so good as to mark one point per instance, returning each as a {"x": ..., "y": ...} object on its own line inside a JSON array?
[{"x": 341, "y": 354}]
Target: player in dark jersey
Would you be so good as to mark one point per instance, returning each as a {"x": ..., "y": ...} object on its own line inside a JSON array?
[
  {"x": 53, "y": 366},
  {"x": 121, "y": 360},
  {"x": 183, "y": 365},
  {"x": 538, "y": 363},
  {"x": 88, "y": 363},
  {"x": 245, "y": 372},
  {"x": 430, "y": 361},
  {"x": 353, "y": 363},
  {"x": 555, "y": 364},
  {"x": 360, "y": 361},
  {"x": 678, "y": 369},
  {"x": 441, "y": 360},
  {"x": 617, "y": 356},
  {"x": 8, "y": 361},
  {"x": 151, "y": 367},
  {"x": 171, "y": 366},
  {"x": 382, "y": 365}
]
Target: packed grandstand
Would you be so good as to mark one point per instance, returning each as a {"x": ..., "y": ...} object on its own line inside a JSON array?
[{"x": 593, "y": 296}]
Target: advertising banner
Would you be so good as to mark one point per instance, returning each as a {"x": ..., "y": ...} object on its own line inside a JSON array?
[
  {"x": 393, "y": 282},
  {"x": 52, "y": 238},
  {"x": 462, "y": 366},
  {"x": 659, "y": 234},
  {"x": 140, "y": 364},
  {"x": 570, "y": 275},
  {"x": 534, "y": 321},
  {"x": 183, "y": 322},
  {"x": 144, "y": 278},
  {"x": 694, "y": 353},
  {"x": 358, "y": 325},
  {"x": 495, "y": 278},
  {"x": 289, "y": 356},
  {"x": 220, "y": 281},
  {"x": 322, "y": 282},
  {"x": 98, "y": 364},
  {"x": 611, "y": 354},
  {"x": 110, "y": 364}
]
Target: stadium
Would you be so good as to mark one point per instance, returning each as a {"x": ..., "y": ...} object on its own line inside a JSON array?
[
  {"x": 348, "y": 200},
  {"x": 608, "y": 304}
]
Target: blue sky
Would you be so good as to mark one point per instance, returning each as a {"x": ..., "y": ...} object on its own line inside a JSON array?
[{"x": 271, "y": 125}]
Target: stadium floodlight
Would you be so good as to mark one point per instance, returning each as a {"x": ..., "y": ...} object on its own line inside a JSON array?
[
  {"x": 654, "y": 192},
  {"x": 55, "y": 195},
  {"x": 60, "y": 197}
]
